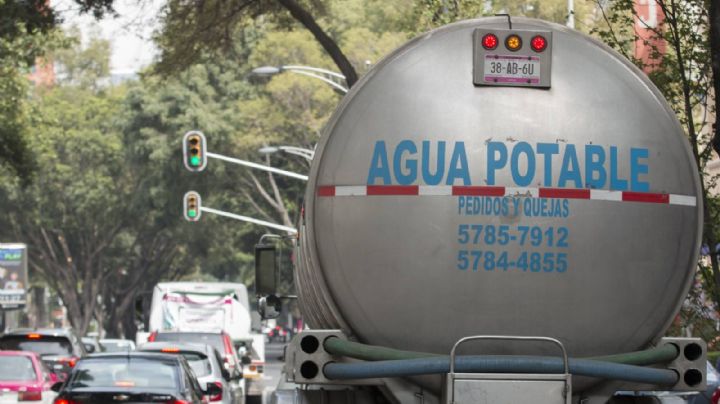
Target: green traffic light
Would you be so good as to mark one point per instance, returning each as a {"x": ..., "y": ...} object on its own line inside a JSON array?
[
  {"x": 195, "y": 160},
  {"x": 192, "y": 213}
]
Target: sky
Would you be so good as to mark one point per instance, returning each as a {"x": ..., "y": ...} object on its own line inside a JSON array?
[{"x": 130, "y": 34}]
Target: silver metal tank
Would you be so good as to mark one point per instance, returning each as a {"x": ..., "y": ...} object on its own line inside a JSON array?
[{"x": 588, "y": 186}]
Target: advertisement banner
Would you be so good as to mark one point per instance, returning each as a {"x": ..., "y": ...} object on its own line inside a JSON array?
[{"x": 13, "y": 275}]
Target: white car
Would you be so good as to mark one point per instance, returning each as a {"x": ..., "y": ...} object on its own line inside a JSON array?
[{"x": 207, "y": 364}]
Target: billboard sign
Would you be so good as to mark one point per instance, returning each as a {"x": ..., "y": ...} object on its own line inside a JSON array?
[{"x": 13, "y": 275}]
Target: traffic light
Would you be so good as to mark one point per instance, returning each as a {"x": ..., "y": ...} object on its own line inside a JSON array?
[
  {"x": 191, "y": 206},
  {"x": 194, "y": 151}
]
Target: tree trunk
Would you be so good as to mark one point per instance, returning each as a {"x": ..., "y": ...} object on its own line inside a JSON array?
[
  {"x": 330, "y": 46},
  {"x": 714, "y": 17}
]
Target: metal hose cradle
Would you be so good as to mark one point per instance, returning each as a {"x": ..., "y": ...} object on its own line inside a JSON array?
[{"x": 388, "y": 362}]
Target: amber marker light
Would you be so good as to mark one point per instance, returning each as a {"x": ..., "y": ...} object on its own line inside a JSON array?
[{"x": 513, "y": 42}]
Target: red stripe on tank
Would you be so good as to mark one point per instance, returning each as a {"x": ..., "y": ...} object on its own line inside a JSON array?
[
  {"x": 326, "y": 190},
  {"x": 393, "y": 190},
  {"x": 564, "y": 193},
  {"x": 648, "y": 197},
  {"x": 460, "y": 190}
]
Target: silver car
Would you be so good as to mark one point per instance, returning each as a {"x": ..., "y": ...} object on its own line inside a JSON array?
[
  {"x": 117, "y": 345},
  {"x": 206, "y": 362}
]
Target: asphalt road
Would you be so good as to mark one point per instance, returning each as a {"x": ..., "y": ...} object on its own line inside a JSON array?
[{"x": 273, "y": 367}]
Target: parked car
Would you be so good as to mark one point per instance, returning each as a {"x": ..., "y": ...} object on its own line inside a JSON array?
[
  {"x": 137, "y": 377},
  {"x": 24, "y": 377},
  {"x": 207, "y": 364},
  {"x": 91, "y": 345},
  {"x": 59, "y": 349},
  {"x": 117, "y": 345}
]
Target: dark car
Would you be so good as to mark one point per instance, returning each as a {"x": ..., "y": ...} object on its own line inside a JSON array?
[
  {"x": 135, "y": 377},
  {"x": 59, "y": 349}
]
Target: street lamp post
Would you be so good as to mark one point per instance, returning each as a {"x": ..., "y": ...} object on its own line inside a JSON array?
[
  {"x": 331, "y": 78},
  {"x": 307, "y": 154}
]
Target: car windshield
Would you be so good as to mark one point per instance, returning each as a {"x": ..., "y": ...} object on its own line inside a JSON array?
[
  {"x": 214, "y": 340},
  {"x": 119, "y": 346},
  {"x": 199, "y": 364},
  {"x": 16, "y": 368},
  {"x": 126, "y": 372},
  {"x": 42, "y": 345}
]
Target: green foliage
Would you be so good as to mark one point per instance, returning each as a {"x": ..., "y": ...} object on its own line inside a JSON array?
[
  {"x": 429, "y": 14},
  {"x": 679, "y": 65},
  {"x": 83, "y": 66},
  {"x": 17, "y": 51},
  {"x": 27, "y": 31},
  {"x": 74, "y": 209}
]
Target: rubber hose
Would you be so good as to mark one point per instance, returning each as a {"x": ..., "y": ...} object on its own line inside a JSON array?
[
  {"x": 663, "y": 354},
  {"x": 498, "y": 364},
  {"x": 341, "y": 347},
  {"x": 336, "y": 346}
]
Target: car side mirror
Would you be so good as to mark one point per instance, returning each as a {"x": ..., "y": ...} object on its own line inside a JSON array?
[
  {"x": 212, "y": 389},
  {"x": 265, "y": 269},
  {"x": 269, "y": 307},
  {"x": 225, "y": 374},
  {"x": 90, "y": 348},
  {"x": 56, "y": 387}
]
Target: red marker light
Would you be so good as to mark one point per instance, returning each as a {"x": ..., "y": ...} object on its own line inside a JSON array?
[
  {"x": 490, "y": 41},
  {"x": 33, "y": 336},
  {"x": 29, "y": 396},
  {"x": 538, "y": 43},
  {"x": 170, "y": 350}
]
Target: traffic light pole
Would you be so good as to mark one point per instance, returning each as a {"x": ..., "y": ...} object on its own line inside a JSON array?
[
  {"x": 249, "y": 219},
  {"x": 257, "y": 166}
]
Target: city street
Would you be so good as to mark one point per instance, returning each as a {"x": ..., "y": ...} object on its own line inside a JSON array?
[
  {"x": 465, "y": 202},
  {"x": 273, "y": 367}
]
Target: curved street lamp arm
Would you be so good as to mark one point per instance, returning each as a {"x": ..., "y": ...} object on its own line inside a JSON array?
[
  {"x": 325, "y": 79},
  {"x": 298, "y": 151},
  {"x": 314, "y": 69}
]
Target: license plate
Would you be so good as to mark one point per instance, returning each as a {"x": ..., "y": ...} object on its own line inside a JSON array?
[{"x": 511, "y": 69}]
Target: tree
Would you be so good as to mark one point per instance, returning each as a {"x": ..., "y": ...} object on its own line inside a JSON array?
[
  {"x": 96, "y": 225},
  {"x": 192, "y": 27},
  {"x": 430, "y": 14},
  {"x": 27, "y": 31},
  {"x": 684, "y": 73},
  {"x": 73, "y": 212}
]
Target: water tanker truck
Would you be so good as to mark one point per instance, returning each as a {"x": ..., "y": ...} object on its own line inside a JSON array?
[{"x": 500, "y": 211}]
